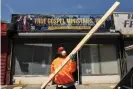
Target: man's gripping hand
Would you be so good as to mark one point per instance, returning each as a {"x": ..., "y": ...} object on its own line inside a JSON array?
[{"x": 72, "y": 57}]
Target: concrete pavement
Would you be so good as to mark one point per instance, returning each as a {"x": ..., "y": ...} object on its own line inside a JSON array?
[{"x": 89, "y": 86}]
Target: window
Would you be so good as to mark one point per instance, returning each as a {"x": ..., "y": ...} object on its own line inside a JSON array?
[
  {"x": 32, "y": 59},
  {"x": 98, "y": 59},
  {"x": 108, "y": 59},
  {"x": 129, "y": 57}
]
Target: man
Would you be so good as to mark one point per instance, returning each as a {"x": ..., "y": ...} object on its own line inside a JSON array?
[
  {"x": 25, "y": 23},
  {"x": 64, "y": 79}
]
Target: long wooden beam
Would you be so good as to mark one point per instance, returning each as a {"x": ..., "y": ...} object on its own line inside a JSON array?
[{"x": 82, "y": 42}]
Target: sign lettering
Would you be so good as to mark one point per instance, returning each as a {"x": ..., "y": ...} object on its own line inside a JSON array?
[
  {"x": 40, "y": 22},
  {"x": 124, "y": 22}
]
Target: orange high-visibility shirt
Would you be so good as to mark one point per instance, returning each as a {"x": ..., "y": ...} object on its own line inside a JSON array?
[{"x": 65, "y": 75}]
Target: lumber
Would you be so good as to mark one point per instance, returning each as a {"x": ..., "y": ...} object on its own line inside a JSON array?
[{"x": 82, "y": 42}]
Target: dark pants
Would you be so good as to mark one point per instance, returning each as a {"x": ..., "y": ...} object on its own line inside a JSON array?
[{"x": 71, "y": 87}]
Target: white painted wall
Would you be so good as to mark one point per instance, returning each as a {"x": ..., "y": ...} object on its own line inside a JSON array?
[
  {"x": 100, "y": 79},
  {"x": 85, "y": 79}
]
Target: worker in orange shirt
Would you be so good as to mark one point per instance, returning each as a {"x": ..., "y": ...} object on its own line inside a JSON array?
[{"x": 64, "y": 79}]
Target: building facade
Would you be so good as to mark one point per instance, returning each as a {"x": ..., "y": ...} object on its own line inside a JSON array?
[
  {"x": 35, "y": 43},
  {"x": 5, "y": 55}
]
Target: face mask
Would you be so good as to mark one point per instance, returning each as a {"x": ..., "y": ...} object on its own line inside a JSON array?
[{"x": 63, "y": 53}]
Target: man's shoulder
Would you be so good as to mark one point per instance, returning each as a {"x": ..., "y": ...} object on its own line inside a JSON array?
[{"x": 56, "y": 59}]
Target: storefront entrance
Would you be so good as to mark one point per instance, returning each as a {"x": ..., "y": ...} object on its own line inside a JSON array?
[{"x": 96, "y": 63}]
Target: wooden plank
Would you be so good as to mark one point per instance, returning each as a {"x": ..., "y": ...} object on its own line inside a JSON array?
[{"x": 82, "y": 42}]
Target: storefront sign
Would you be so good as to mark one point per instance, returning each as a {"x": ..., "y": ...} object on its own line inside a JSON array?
[
  {"x": 38, "y": 22},
  {"x": 123, "y": 22}
]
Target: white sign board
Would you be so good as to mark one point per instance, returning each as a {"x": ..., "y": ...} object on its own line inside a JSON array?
[{"x": 123, "y": 22}]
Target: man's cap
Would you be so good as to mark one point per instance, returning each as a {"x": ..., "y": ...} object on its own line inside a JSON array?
[{"x": 60, "y": 49}]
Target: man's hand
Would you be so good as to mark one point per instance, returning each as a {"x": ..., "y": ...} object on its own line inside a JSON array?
[{"x": 72, "y": 57}]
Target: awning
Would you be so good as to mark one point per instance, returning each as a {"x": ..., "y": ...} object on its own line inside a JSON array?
[
  {"x": 62, "y": 37},
  {"x": 64, "y": 34}
]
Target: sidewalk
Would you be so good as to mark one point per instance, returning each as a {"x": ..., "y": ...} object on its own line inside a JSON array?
[{"x": 92, "y": 86}]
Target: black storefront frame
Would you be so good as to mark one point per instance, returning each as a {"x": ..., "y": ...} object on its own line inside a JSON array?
[{"x": 115, "y": 36}]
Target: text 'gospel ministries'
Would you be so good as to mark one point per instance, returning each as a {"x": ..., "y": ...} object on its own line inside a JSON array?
[{"x": 55, "y": 21}]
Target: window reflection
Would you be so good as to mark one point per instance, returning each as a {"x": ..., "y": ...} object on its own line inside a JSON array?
[
  {"x": 98, "y": 59},
  {"x": 32, "y": 59}
]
